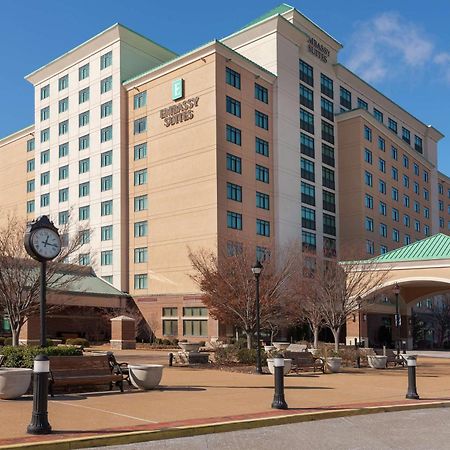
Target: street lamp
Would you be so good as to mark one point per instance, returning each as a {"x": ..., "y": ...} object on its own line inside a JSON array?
[
  {"x": 398, "y": 319},
  {"x": 256, "y": 269}
]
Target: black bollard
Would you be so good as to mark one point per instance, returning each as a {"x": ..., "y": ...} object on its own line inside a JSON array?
[
  {"x": 170, "y": 359},
  {"x": 412, "y": 389},
  {"x": 39, "y": 419},
  {"x": 404, "y": 347},
  {"x": 278, "y": 398}
]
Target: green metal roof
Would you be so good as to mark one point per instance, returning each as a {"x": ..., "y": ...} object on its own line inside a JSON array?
[
  {"x": 280, "y": 9},
  {"x": 433, "y": 247}
]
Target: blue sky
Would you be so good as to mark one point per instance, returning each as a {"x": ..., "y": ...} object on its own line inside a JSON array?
[{"x": 402, "y": 48}]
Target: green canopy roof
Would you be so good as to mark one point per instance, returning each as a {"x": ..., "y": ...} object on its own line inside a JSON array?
[{"x": 433, "y": 247}]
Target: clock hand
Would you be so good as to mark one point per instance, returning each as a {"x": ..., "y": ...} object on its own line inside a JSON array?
[{"x": 46, "y": 242}]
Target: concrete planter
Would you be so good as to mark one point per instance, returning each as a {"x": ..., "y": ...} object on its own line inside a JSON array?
[
  {"x": 189, "y": 346},
  {"x": 14, "y": 382},
  {"x": 334, "y": 364},
  {"x": 286, "y": 369},
  {"x": 377, "y": 361},
  {"x": 269, "y": 348},
  {"x": 281, "y": 345},
  {"x": 145, "y": 376}
]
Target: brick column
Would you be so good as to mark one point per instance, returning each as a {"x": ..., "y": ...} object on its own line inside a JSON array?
[
  {"x": 123, "y": 335},
  {"x": 354, "y": 328},
  {"x": 30, "y": 332}
]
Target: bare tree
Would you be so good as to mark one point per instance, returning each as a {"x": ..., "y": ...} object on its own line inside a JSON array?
[
  {"x": 342, "y": 287},
  {"x": 228, "y": 285},
  {"x": 441, "y": 319},
  {"x": 19, "y": 274}
]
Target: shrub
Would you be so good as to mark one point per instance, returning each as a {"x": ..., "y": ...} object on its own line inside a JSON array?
[
  {"x": 248, "y": 356},
  {"x": 23, "y": 355},
  {"x": 8, "y": 341},
  {"x": 78, "y": 341},
  {"x": 226, "y": 355},
  {"x": 2, "y": 341}
]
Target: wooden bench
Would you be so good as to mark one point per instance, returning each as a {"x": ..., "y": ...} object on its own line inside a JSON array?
[
  {"x": 305, "y": 360},
  {"x": 392, "y": 357},
  {"x": 83, "y": 370}
]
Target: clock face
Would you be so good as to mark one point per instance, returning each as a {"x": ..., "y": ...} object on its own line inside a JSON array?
[{"x": 46, "y": 243}]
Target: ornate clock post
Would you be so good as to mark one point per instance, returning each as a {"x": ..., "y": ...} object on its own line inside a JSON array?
[{"x": 43, "y": 243}]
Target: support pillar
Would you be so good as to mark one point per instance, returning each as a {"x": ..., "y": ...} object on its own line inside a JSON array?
[
  {"x": 123, "y": 333},
  {"x": 30, "y": 332},
  {"x": 357, "y": 329}
]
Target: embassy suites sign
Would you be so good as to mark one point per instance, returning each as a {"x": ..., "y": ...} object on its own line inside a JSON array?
[
  {"x": 182, "y": 111},
  {"x": 318, "y": 50}
]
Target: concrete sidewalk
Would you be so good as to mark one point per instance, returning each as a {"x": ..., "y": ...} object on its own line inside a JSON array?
[{"x": 191, "y": 399}]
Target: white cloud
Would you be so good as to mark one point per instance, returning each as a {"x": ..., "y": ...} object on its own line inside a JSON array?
[{"x": 381, "y": 43}]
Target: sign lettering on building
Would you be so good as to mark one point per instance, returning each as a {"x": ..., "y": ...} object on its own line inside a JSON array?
[
  {"x": 179, "y": 113},
  {"x": 318, "y": 50}
]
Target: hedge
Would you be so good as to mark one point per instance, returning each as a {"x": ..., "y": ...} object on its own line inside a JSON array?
[{"x": 23, "y": 356}]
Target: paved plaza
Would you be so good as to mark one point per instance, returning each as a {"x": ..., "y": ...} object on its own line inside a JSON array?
[{"x": 194, "y": 401}]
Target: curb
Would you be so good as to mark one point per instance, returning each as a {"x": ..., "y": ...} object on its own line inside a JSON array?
[{"x": 219, "y": 427}]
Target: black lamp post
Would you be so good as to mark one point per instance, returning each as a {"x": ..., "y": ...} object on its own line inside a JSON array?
[
  {"x": 398, "y": 319},
  {"x": 256, "y": 269}
]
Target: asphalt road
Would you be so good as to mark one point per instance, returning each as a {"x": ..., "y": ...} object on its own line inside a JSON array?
[{"x": 426, "y": 429}]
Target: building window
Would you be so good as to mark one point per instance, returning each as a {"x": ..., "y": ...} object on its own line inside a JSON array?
[
  {"x": 406, "y": 220},
  {"x": 106, "y": 84},
  {"x": 261, "y": 93},
  {"x": 30, "y": 165},
  {"x": 381, "y": 144},
  {"x": 140, "y": 203},
  {"x": 83, "y": 95},
  {"x": 329, "y": 201},
  {"x": 382, "y": 165},
  {"x": 308, "y": 218},
  {"x": 426, "y": 230},
  {"x": 233, "y": 106},
  {"x": 30, "y": 186},
  {"x": 261, "y": 147},
  {"x": 45, "y": 113},
  {"x": 308, "y": 193},
  {"x": 63, "y": 195},
  {"x": 83, "y": 142},
  {"x": 307, "y": 145},
  {"x": 105, "y": 60},
  {"x": 83, "y": 213},
  {"x": 63, "y": 172},
  {"x": 233, "y": 78},
  {"x": 45, "y": 135},
  {"x": 406, "y": 201},
  {"x": 106, "y": 208},
  {"x": 382, "y": 186},
  {"x": 392, "y": 124},
  {"x": 308, "y": 240},
  {"x": 383, "y": 208},
  {"x": 106, "y": 134},
  {"x": 328, "y": 155},
  {"x": 140, "y": 281},
  {"x": 233, "y": 135},
  {"x": 106, "y": 158},
  {"x": 140, "y": 177},
  {"x": 30, "y": 206},
  {"x": 416, "y": 188},
  {"x": 368, "y": 156},
  {"x": 262, "y": 201},
  {"x": 405, "y": 162},
  {"x": 416, "y": 206},
  {"x": 367, "y": 133},
  {"x": 83, "y": 189},
  {"x": 306, "y": 97},
  {"x": 262, "y": 227},
  {"x": 440, "y": 189},
  {"x": 394, "y": 153},
  {"x": 441, "y": 205},
  {"x": 306, "y": 73},
  {"x": 362, "y": 104},
  {"x": 233, "y": 163},
  {"x": 328, "y": 178},
  {"x": 63, "y": 150},
  {"x": 106, "y": 257},
  {"x": 83, "y": 119},
  {"x": 407, "y": 239},
  {"x": 418, "y": 144},
  {"x": 45, "y": 156},
  {"x": 378, "y": 115},
  {"x": 261, "y": 120},
  {"x": 441, "y": 222},
  {"x": 327, "y": 109},
  {"x": 45, "y": 91},
  {"x": 329, "y": 247},
  {"x": 262, "y": 174},
  {"x": 369, "y": 224},
  {"x": 346, "y": 98},
  {"x": 83, "y": 165},
  {"x": 425, "y": 176},
  {"x": 395, "y": 215},
  {"x": 326, "y": 86},
  {"x": 329, "y": 224},
  {"x": 45, "y": 178},
  {"x": 140, "y": 229},
  {"x": 84, "y": 259},
  {"x": 63, "y": 217},
  {"x": 30, "y": 145},
  {"x": 368, "y": 201},
  {"x": 406, "y": 181},
  {"x": 395, "y": 235},
  {"x": 383, "y": 230},
  {"x": 406, "y": 135},
  {"x": 368, "y": 178},
  {"x": 195, "y": 328},
  {"x": 140, "y": 151},
  {"x": 394, "y": 193},
  {"x": 234, "y": 192},
  {"x": 83, "y": 72},
  {"x": 306, "y": 121},
  {"x": 426, "y": 213},
  {"x": 234, "y": 248},
  {"x": 63, "y": 127},
  {"x": 169, "y": 327},
  {"x": 106, "y": 233},
  {"x": 234, "y": 220},
  {"x": 63, "y": 105},
  {"x": 262, "y": 253},
  {"x": 106, "y": 109},
  {"x": 45, "y": 200},
  {"x": 394, "y": 173},
  {"x": 140, "y": 255},
  {"x": 327, "y": 132}
]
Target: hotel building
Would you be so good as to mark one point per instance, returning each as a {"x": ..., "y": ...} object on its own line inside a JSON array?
[{"x": 259, "y": 139}]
